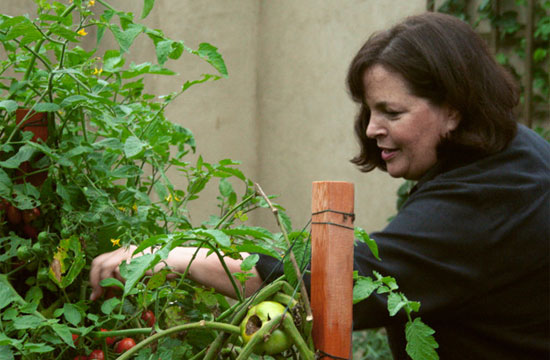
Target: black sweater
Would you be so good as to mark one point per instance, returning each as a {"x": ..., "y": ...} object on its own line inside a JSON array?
[{"x": 472, "y": 244}]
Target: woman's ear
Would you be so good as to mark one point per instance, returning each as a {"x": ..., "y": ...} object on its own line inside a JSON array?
[{"x": 453, "y": 118}]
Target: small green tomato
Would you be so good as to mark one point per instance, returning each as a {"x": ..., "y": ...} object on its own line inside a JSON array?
[{"x": 255, "y": 319}]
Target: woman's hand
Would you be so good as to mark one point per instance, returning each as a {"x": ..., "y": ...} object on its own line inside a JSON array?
[{"x": 107, "y": 266}]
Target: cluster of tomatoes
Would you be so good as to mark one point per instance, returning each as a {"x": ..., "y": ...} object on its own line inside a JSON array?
[
  {"x": 19, "y": 220},
  {"x": 119, "y": 347}
]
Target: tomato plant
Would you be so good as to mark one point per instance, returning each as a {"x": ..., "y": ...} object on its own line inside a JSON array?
[{"x": 84, "y": 158}]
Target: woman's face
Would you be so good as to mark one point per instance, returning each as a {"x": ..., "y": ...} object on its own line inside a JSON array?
[{"x": 407, "y": 129}]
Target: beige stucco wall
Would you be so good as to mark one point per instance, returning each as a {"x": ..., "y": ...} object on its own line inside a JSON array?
[
  {"x": 283, "y": 111},
  {"x": 306, "y": 117}
]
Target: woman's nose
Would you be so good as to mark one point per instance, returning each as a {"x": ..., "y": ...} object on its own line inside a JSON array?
[{"x": 375, "y": 128}]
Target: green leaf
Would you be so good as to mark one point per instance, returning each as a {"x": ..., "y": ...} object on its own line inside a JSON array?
[
  {"x": 71, "y": 314},
  {"x": 72, "y": 100},
  {"x": 395, "y": 303},
  {"x": 147, "y": 7},
  {"x": 157, "y": 280},
  {"x": 252, "y": 231},
  {"x": 363, "y": 288},
  {"x": 24, "y": 154},
  {"x": 9, "y": 105},
  {"x": 249, "y": 262},
  {"x": 46, "y": 107},
  {"x": 211, "y": 55},
  {"x": 225, "y": 188},
  {"x": 27, "y": 322},
  {"x": 112, "y": 61},
  {"x": 38, "y": 348},
  {"x": 5, "y": 184},
  {"x": 205, "y": 77},
  {"x": 6, "y": 353},
  {"x": 133, "y": 146},
  {"x": 64, "y": 333},
  {"x": 362, "y": 235},
  {"x": 421, "y": 344},
  {"x": 109, "y": 305},
  {"x": 135, "y": 270},
  {"x": 111, "y": 282},
  {"x": 125, "y": 38},
  {"x": 217, "y": 235}
]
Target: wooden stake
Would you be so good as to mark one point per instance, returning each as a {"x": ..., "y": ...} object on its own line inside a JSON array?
[{"x": 332, "y": 267}]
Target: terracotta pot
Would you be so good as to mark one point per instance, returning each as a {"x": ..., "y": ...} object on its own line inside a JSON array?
[{"x": 37, "y": 123}]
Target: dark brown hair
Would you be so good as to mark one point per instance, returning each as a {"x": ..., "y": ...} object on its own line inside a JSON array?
[{"x": 443, "y": 61}]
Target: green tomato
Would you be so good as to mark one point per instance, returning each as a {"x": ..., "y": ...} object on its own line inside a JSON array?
[
  {"x": 255, "y": 319},
  {"x": 23, "y": 253},
  {"x": 43, "y": 236},
  {"x": 37, "y": 249}
]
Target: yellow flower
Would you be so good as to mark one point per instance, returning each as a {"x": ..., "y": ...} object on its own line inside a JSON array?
[
  {"x": 121, "y": 208},
  {"x": 91, "y": 3},
  {"x": 82, "y": 32},
  {"x": 135, "y": 207},
  {"x": 97, "y": 72},
  {"x": 169, "y": 198},
  {"x": 116, "y": 242}
]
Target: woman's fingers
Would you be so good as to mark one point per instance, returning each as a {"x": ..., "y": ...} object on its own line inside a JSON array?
[{"x": 107, "y": 266}]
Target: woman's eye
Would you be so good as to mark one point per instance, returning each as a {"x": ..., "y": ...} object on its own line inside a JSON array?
[{"x": 393, "y": 114}]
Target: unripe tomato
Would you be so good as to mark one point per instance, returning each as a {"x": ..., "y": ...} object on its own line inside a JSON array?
[
  {"x": 14, "y": 215},
  {"x": 23, "y": 252},
  {"x": 96, "y": 354},
  {"x": 109, "y": 340},
  {"x": 37, "y": 249},
  {"x": 149, "y": 318},
  {"x": 43, "y": 236},
  {"x": 255, "y": 319},
  {"x": 124, "y": 345}
]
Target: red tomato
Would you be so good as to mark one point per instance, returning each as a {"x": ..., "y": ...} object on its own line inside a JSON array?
[
  {"x": 124, "y": 345},
  {"x": 109, "y": 340},
  {"x": 149, "y": 318},
  {"x": 14, "y": 215},
  {"x": 80, "y": 357},
  {"x": 96, "y": 354},
  {"x": 30, "y": 231},
  {"x": 30, "y": 215},
  {"x": 75, "y": 339}
]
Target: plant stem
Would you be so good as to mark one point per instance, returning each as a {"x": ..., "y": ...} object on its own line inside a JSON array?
[
  {"x": 305, "y": 299},
  {"x": 244, "y": 201},
  {"x": 39, "y": 44},
  {"x": 292, "y": 331},
  {"x": 199, "y": 325}
]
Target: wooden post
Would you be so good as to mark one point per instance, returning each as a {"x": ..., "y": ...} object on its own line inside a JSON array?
[{"x": 332, "y": 267}]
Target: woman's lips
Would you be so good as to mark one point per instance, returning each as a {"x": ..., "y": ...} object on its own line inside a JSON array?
[{"x": 388, "y": 154}]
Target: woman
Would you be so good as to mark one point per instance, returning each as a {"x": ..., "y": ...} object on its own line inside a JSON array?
[{"x": 472, "y": 241}]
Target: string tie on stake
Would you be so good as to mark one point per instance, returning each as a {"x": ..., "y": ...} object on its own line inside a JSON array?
[
  {"x": 320, "y": 354},
  {"x": 345, "y": 214}
]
